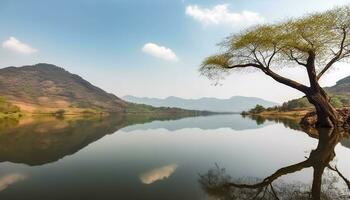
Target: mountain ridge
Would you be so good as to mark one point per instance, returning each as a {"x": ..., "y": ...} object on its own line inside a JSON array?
[
  {"x": 232, "y": 104},
  {"x": 342, "y": 86},
  {"x": 47, "y": 86}
]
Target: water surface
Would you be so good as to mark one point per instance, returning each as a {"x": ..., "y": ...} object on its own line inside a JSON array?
[{"x": 133, "y": 157}]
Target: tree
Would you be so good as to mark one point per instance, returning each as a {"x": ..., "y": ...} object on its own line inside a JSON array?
[
  {"x": 257, "y": 109},
  {"x": 314, "y": 42}
]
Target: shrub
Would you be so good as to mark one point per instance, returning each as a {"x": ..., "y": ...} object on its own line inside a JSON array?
[
  {"x": 59, "y": 113},
  {"x": 257, "y": 109}
]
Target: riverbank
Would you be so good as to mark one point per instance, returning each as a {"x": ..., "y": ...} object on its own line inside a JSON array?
[
  {"x": 277, "y": 113},
  {"x": 307, "y": 117}
]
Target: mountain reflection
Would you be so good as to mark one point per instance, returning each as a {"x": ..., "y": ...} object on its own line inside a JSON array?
[
  {"x": 41, "y": 140},
  {"x": 158, "y": 174},
  {"x": 231, "y": 121},
  {"x": 331, "y": 185}
]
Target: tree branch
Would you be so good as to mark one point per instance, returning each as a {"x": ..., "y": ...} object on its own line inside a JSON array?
[
  {"x": 245, "y": 65},
  {"x": 271, "y": 57},
  {"x": 340, "y": 174},
  {"x": 337, "y": 57},
  {"x": 267, "y": 181},
  {"x": 296, "y": 59},
  {"x": 284, "y": 80}
]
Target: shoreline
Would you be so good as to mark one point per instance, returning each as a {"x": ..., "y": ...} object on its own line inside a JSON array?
[{"x": 274, "y": 113}]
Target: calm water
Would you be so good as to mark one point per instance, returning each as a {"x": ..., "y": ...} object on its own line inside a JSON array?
[{"x": 133, "y": 157}]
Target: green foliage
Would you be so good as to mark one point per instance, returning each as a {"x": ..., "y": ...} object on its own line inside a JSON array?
[
  {"x": 257, "y": 109},
  {"x": 288, "y": 43},
  {"x": 167, "y": 112},
  {"x": 296, "y": 104},
  {"x": 338, "y": 101}
]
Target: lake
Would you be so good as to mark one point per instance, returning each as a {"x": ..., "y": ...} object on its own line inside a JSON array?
[{"x": 205, "y": 157}]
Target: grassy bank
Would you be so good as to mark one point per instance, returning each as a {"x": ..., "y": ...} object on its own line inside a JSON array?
[
  {"x": 278, "y": 111},
  {"x": 292, "y": 113}
]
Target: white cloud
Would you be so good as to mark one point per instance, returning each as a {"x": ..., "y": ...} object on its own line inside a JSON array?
[
  {"x": 159, "y": 52},
  {"x": 10, "y": 179},
  {"x": 221, "y": 15},
  {"x": 15, "y": 45},
  {"x": 158, "y": 174}
]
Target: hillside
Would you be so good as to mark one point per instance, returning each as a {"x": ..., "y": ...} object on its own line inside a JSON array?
[
  {"x": 46, "y": 87},
  {"x": 341, "y": 87},
  {"x": 340, "y": 96},
  {"x": 233, "y": 104}
]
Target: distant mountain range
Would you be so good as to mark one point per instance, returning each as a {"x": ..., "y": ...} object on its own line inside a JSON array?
[{"x": 233, "y": 104}]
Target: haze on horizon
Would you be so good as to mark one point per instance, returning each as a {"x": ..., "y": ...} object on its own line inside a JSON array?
[{"x": 147, "y": 48}]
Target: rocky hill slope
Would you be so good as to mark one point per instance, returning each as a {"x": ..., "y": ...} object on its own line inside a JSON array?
[{"x": 39, "y": 87}]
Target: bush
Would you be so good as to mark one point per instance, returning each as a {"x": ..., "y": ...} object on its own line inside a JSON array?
[
  {"x": 59, "y": 113},
  {"x": 258, "y": 109},
  {"x": 336, "y": 102}
]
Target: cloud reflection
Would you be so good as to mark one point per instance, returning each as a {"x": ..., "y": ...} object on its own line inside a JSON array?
[
  {"x": 10, "y": 179},
  {"x": 158, "y": 174}
]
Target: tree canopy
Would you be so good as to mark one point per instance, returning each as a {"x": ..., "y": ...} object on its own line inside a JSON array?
[{"x": 315, "y": 41}]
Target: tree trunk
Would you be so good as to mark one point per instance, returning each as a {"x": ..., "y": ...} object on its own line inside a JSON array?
[
  {"x": 317, "y": 183},
  {"x": 327, "y": 115}
]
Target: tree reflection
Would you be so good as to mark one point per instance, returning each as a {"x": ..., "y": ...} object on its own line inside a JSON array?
[
  {"x": 325, "y": 184},
  {"x": 288, "y": 122}
]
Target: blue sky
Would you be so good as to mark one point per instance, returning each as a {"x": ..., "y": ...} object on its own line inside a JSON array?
[{"x": 146, "y": 48}]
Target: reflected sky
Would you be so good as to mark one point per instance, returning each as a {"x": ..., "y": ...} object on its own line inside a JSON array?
[
  {"x": 158, "y": 174},
  {"x": 10, "y": 179}
]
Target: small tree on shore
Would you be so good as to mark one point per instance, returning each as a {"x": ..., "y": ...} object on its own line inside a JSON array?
[
  {"x": 314, "y": 42},
  {"x": 257, "y": 109}
]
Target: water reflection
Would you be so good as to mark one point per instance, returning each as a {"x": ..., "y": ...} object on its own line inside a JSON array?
[
  {"x": 221, "y": 186},
  {"x": 288, "y": 122},
  {"x": 10, "y": 179},
  {"x": 158, "y": 174},
  {"x": 234, "y": 122},
  {"x": 141, "y": 160},
  {"x": 41, "y": 140}
]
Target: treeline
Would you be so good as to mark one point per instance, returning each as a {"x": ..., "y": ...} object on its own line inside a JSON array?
[{"x": 338, "y": 101}]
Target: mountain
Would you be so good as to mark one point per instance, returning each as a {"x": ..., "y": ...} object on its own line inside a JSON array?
[
  {"x": 45, "y": 87},
  {"x": 341, "y": 87},
  {"x": 233, "y": 104}
]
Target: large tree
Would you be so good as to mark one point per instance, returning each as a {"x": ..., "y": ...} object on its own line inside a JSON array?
[{"x": 314, "y": 42}]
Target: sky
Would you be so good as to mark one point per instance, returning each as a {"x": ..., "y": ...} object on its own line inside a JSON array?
[{"x": 148, "y": 48}]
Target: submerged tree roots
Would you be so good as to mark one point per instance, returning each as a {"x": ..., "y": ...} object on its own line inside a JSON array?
[{"x": 310, "y": 119}]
